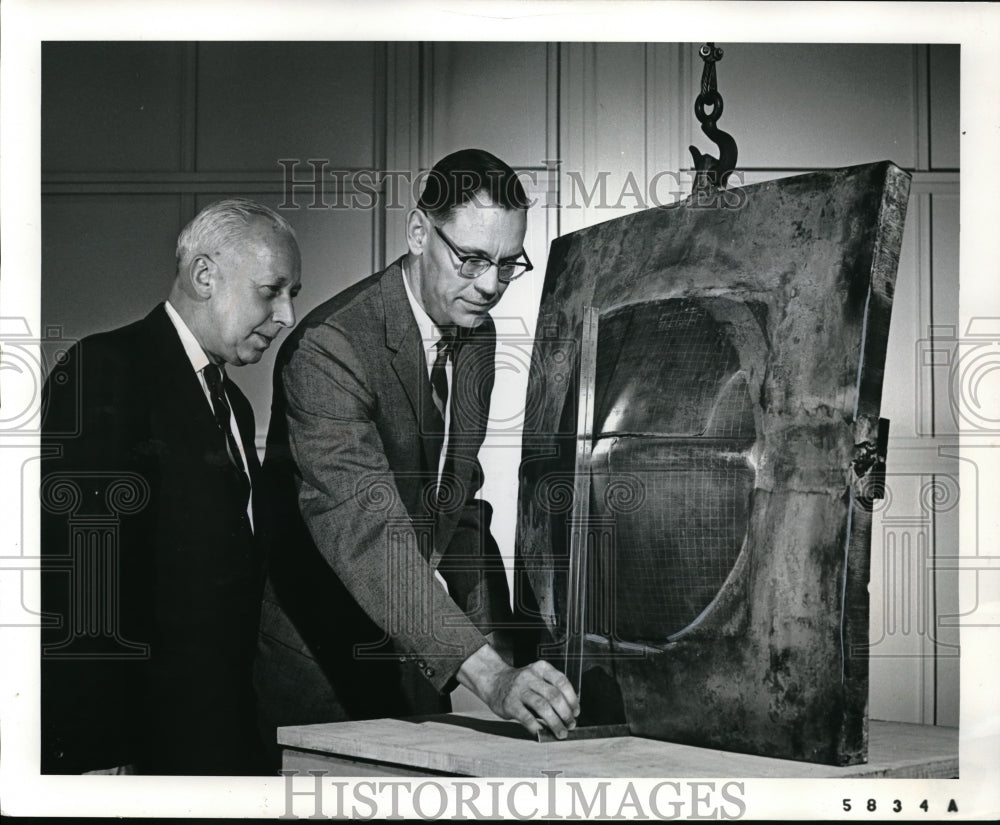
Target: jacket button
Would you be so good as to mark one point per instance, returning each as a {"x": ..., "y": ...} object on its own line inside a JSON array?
[
  {"x": 429, "y": 672},
  {"x": 421, "y": 663},
  {"x": 402, "y": 659}
]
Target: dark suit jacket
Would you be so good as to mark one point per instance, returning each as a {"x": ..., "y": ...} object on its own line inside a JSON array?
[
  {"x": 151, "y": 573},
  {"x": 354, "y": 624}
]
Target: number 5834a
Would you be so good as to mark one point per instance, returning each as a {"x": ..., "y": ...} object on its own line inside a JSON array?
[{"x": 896, "y": 806}]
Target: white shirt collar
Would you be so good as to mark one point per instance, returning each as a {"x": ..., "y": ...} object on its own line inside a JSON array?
[
  {"x": 199, "y": 360},
  {"x": 196, "y": 355},
  {"x": 429, "y": 332}
]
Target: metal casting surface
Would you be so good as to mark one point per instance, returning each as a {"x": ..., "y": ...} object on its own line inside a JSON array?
[{"x": 737, "y": 451}]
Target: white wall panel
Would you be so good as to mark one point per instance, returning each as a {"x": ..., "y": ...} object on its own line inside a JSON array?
[
  {"x": 943, "y": 643},
  {"x": 619, "y": 124},
  {"x": 905, "y": 395},
  {"x": 900, "y": 589},
  {"x": 488, "y": 96},
  {"x": 949, "y": 387},
  {"x": 799, "y": 106},
  {"x": 616, "y": 131}
]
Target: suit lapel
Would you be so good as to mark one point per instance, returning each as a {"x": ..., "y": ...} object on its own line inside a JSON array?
[
  {"x": 472, "y": 372},
  {"x": 173, "y": 380},
  {"x": 178, "y": 396},
  {"x": 408, "y": 362}
]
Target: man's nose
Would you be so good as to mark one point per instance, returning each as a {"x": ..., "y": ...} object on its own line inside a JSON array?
[
  {"x": 488, "y": 284},
  {"x": 284, "y": 311}
]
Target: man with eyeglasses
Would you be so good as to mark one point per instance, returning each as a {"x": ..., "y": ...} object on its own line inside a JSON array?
[{"x": 386, "y": 588}]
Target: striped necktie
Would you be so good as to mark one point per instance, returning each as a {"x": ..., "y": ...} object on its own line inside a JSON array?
[
  {"x": 214, "y": 377},
  {"x": 439, "y": 381},
  {"x": 439, "y": 373}
]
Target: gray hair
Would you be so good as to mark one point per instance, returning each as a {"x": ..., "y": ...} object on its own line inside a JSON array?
[{"x": 221, "y": 223}]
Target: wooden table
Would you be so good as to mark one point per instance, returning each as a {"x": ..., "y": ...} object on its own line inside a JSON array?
[{"x": 478, "y": 744}]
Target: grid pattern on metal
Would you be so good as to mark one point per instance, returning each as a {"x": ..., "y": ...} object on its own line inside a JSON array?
[
  {"x": 669, "y": 367},
  {"x": 677, "y": 422},
  {"x": 673, "y": 553}
]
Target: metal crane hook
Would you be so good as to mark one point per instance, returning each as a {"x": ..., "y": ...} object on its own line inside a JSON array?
[{"x": 711, "y": 173}]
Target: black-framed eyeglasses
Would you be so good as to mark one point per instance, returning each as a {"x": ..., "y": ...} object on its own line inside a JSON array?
[{"x": 472, "y": 266}]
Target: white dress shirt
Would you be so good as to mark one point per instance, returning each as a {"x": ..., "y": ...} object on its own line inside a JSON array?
[{"x": 196, "y": 355}]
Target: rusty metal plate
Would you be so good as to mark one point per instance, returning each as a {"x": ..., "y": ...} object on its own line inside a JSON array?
[{"x": 739, "y": 358}]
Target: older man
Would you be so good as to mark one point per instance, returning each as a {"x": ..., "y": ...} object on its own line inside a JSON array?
[
  {"x": 148, "y": 666},
  {"x": 381, "y": 403}
]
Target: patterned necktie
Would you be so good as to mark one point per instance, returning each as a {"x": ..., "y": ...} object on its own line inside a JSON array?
[
  {"x": 214, "y": 377},
  {"x": 439, "y": 381},
  {"x": 439, "y": 374}
]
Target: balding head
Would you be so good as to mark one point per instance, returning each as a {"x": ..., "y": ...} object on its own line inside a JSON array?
[{"x": 238, "y": 268}]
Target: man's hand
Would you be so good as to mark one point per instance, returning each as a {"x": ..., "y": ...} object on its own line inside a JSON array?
[{"x": 537, "y": 696}]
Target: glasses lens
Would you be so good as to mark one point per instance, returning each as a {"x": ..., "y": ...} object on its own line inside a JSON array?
[
  {"x": 508, "y": 272},
  {"x": 474, "y": 267}
]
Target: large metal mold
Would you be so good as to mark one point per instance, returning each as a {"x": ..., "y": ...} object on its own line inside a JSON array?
[{"x": 732, "y": 458}]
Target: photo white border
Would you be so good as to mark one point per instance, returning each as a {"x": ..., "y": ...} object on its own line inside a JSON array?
[{"x": 25, "y": 23}]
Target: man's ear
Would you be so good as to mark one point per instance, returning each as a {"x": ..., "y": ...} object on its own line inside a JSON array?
[
  {"x": 417, "y": 229},
  {"x": 201, "y": 275}
]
